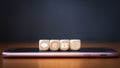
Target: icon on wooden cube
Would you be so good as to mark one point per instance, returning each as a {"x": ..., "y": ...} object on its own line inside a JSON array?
[
  {"x": 44, "y": 45},
  {"x": 75, "y": 44}
]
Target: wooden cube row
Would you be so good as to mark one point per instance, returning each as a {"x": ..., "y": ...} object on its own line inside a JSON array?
[{"x": 54, "y": 45}]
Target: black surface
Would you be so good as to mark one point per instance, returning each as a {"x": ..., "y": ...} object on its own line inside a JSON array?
[
  {"x": 31, "y": 20},
  {"x": 81, "y": 50}
]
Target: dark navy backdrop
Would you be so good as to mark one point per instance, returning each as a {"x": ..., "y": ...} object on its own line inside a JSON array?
[{"x": 31, "y": 20}]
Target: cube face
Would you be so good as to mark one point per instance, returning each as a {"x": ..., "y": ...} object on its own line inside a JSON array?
[
  {"x": 44, "y": 45},
  {"x": 54, "y": 45},
  {"x": 75, "y": 44},
  {"x": 64, "y": 45}
]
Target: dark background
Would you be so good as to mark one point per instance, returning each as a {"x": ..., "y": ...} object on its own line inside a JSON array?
[{"x": 31, "y": 20}]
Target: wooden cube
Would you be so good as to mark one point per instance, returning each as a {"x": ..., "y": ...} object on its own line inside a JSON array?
[
  {"x": 65, "y": 44},
  {"x": 54, "y": 45},
  {"x": 75, "y": 44},
  {"x": 44, "y": 45}
]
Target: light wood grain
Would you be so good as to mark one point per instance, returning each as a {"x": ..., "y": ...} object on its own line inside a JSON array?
[{"x": 59, "y": 62}]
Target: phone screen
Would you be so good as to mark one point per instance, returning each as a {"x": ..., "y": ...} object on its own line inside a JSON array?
[{"x": 81, "y": 50}]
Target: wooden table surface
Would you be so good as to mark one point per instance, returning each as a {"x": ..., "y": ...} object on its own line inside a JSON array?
[{"x": 59, "y": 62}]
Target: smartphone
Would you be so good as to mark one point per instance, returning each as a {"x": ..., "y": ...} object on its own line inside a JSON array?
[{"x": 83, "y": 52}]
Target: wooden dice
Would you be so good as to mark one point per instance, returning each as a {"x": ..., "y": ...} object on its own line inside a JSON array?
[
  {"x": 54, "y": 45},
  {"x": 63, "y": 44},
  {"x": 44, "y": 45},
  {"x": 75, "y": 44}
]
